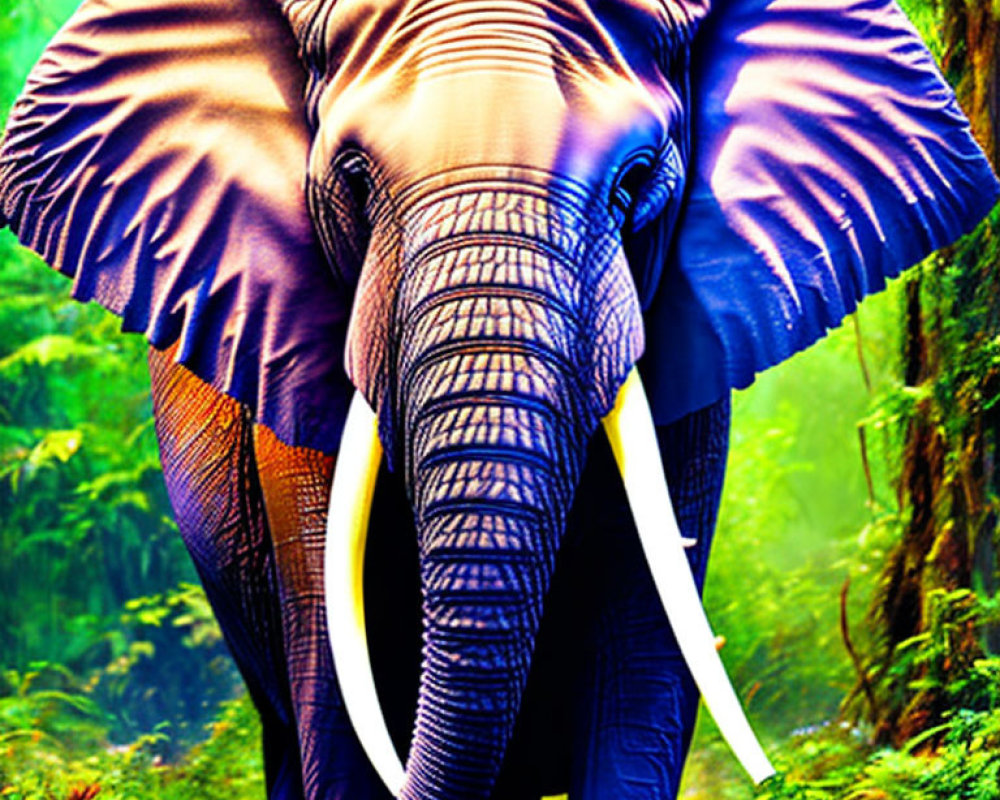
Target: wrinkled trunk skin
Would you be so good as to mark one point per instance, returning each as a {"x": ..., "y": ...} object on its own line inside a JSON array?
[
  {"x": 493, "y": 459},
  {"x": 497, "y": 390},
  {"x": 489, "y": 523}
]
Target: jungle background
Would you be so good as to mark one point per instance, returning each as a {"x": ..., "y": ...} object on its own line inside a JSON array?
[{"x": 853, "y": 575}]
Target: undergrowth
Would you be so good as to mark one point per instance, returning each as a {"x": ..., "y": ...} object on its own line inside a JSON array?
[{"x": 39, "y": 763}]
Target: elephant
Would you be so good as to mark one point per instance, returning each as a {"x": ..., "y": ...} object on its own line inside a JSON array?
[{"x": 404, "y": 259}]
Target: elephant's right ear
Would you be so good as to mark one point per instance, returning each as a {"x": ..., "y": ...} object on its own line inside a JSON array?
[
  {"x": 157, "y": 156},
  {"x": 828, "y": 154}
]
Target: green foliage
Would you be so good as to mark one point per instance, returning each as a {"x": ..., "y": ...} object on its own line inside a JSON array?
[
  {"x": 801, "y": 514},
  {"x": 112, "y": 663},
  {"x": 797, "y": 521},
  {"x": 836, "y": 762},
  {"x": 948, "y": 489},
  {"x": 168, "y": 674},
  {"x": 47, "y": 704},
  {"x": 85, "y": 519},
  {"x": 924, "y": 16},
  {"x": 25, "y": 26},
  {"x": 94, "y": 574},
  {"x": 960, "y": 287},
  {"x": 41, "y": 766},
  {"x": 956, "y": 759},
  {"x": 942, "y": 659}
]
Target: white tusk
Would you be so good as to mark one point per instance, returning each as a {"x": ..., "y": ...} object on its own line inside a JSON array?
[
  {"x": 630, "y": 431},
  {"x": 346, "y": 533}
]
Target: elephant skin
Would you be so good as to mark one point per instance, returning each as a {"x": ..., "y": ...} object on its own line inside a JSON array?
[{"x": 482, "y": 217}]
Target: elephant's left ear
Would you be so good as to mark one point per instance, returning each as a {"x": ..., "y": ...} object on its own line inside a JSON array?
[
  {"x": 157, "y": 156},
  {"x": 828, "y": 155}
]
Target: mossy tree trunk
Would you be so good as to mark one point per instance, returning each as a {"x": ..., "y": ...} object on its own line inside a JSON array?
[{"x": 949, "y": 481}]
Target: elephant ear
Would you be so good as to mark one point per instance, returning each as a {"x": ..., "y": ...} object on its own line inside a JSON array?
[
  {"x": 157, "y": 156},
  {"x": 828, "y": 155}
]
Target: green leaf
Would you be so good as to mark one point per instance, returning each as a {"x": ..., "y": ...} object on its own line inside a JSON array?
[
  {"x": 55, "y": 446},
  {"x": 47, "y": 350}
]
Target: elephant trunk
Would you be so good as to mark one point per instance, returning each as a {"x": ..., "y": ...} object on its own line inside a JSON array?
[
  {"x": 508, "y": 330},
  {"x": 491, "y": 409},
  {"x": 489, "y": 517}
]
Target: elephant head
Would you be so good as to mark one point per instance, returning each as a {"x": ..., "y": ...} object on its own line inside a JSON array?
[{"x": 481, "y": 216}]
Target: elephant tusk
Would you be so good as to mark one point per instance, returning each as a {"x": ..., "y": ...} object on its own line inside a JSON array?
[
  {"x": 346, "y": 533},
  {"x": 630, "y": 430}
]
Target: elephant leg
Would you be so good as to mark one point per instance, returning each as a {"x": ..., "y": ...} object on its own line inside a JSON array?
[
  {"x": 208, "y": 464},
  {"x": 296, "y": 486},
  {"x": 637, "y": 701}
]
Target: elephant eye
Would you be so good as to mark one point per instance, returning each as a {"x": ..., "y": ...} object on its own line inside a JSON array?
[
  {"x": 653, "y": 191},
  {"x": 342, "y": 214},
  {"x": 632, "y": 177},
  {"x": 357, "y": 180}
]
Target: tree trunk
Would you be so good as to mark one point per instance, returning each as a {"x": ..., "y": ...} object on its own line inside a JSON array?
[{"x": 948, "y": 482}]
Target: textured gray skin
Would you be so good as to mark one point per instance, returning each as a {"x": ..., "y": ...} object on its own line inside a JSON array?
[
  {"x": 496, "y": 320},
  {"x": 496, "y": 330},
  {"x": 495, "y": 352},
  {"x": 609, "y": 705},
  {"x": 471, "y": 167}
]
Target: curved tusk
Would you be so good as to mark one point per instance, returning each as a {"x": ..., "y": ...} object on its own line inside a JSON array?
[
  {"x": 630, "y": 431},
  {"x": 346, "y": 533}
]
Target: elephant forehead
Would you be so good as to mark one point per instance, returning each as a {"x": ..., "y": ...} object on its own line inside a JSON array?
[
  {"x": 350, "y": 39},
  {"x": 322, "y": 24}
]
